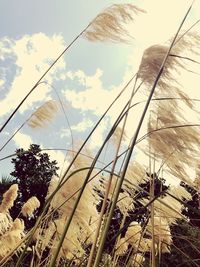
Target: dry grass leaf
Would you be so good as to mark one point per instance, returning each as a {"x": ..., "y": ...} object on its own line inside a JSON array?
[
  {"x": 43, "y": 114},
  {"x": 109, "y": 25},
  {"x": 125, "y": 202}
]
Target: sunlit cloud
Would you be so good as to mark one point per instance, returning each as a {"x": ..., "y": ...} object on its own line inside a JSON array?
[
  {"x": 22, "y": 140},
  {"x": 83, "y": 125},
  {"x": 34, "y": 53}
]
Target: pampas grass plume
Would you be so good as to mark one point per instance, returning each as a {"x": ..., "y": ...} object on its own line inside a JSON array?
[
  {"x": 151, "y": 62},
  {"x": 109, "y": 24},
  {"x": 43, "y": 114},
  {"x": 122, "y": 247},
  {"x": 30, "y": 206},
  {"x": 5, "y": 223},
  {"x": 8, "y": 198}
]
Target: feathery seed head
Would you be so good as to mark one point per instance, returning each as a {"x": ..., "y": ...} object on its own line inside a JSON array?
[
  {"x": 136, "y": 173},
  {"x": 138, "y": 259},
  {"x": 133, "y": 233},
  {"x": 171, "y": 143},
  {"x": 30, "y": 206},
  {"x": 109, "y": 25},
  {"x": 8, "y": 198},
  {"x": 5, "y": 223},
  {"x": 53, "y": 185},
  {"x": 187, "y": 42},
  {"x": 151, "y": 63},
  {"x": 18, "y": 224},
  {"x": 122, "y": 247},
  {"x": 162, "y": 234},
  {"x": 43, "y": 114},
  {"x": 125, "y": 202}
]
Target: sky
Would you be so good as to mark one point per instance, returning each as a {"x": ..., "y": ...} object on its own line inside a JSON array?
[{"x": 86, "y": 78}]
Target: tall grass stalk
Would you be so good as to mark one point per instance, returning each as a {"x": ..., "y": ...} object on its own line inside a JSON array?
[
  {"x": 85, "y": 183},
  {"x": 64, "y": 179},
  {"x": 154, "y": 202},
  {"x": 110, "y": 179},
  {"x": 119, "y": 184}
]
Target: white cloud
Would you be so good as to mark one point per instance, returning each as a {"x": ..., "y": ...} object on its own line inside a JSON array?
[
  {"x": 2, "y": 82},
  {"x": 34, "y": 53},
  {"x": 58, "y": 156},
  {"x": 22, "y": 140},
  {"x": 83, "y": 125},
  {"x": 80, "y": 75},
  {"x": 94, "y": 98},
  {"x": 65, "y": 133}
]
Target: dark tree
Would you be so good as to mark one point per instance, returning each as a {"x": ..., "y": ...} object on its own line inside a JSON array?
[
  {"x": 185, "y": 249},
  {"x": 32, "y": 172},
  {"x": 191, "y": 209}
]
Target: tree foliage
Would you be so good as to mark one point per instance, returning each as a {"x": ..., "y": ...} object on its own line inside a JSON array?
[
  {"x": 185, "y": 249},
  {"x": 190, "y": 210},
  {"x": 32, "y": 172}
]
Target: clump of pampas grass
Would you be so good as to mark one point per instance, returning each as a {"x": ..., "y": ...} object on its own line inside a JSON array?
[
  {"x": 174, "y": 146},
  {"x": 11, "y": 232},
  {"x": 83, "y": 224}
]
